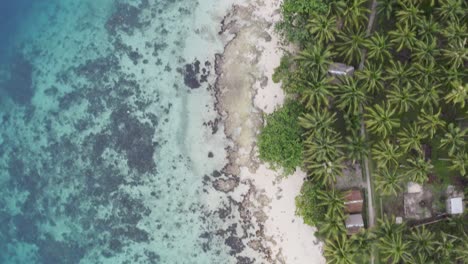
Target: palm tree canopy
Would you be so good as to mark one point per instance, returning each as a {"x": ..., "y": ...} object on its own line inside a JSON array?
[
  {"x": 381, "y": 120},
  {"x": 350, "y": 44},
  {"x": 378, "y": 48},
  {"x": 357, "y": 147},
  {"x": 454, "y": 139},
  {"x": 430, "y": 122},
  {"x": 451, "y": 9},
  {"x": 316, "y": 122},
  {"x": 386, "y": 154},
  {"x": 404, "y": 36},
  {"x": 371, "y": 77},
  {"x": 460, "y": 163},
  {"x": 389, "y": 181},
  {"x": 333, "y": 200},
  {"x": 422, "y": 241},
  {"x": 408, "y": 13},
  {"x": 315, "y": 58},
  {"x": 324, "y": 28},
  {"x": 356, "y": 13},
  {"x": 418, "y": 169},
  {"x": 351, "y": 95},
  {"x": 399, "y": 73},
  {"x": 410, "y": 138},
  {"x": 315, "y": 91},
  {"x": 339, "y": 251},
  {"x": 394, "y": 249},
  {"x": 402, "y": 97},
  {"x": 458, "y": 94}
]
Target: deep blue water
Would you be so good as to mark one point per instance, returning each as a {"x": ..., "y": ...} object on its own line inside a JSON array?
[{"x": 12, "y": 13}]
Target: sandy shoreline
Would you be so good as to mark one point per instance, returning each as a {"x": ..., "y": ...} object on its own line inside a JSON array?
[{"x": 245, "y": 92}]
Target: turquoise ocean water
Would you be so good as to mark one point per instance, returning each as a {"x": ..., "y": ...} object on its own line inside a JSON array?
[{"x": 108, "y": 132}]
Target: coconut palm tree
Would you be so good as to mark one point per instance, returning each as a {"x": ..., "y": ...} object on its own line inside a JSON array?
[
  {"x": 323, "y": 147},
  {"x": 381, "y": 120},
  {"x": 461, "y": 254},
  {"x": 355, "y": 13},
  {"x": 371, "y": 77},
  {"x": 332, "y": 227},
  {"x": 388, "y": 227},
  {"x": 389, "y": 181},
  {"x": 427, "y": 72},
  {"x": 410, "y": 138},
  {"x": 403, "y": 37},
  {"x": 357, "y": 147},
  {"x": 425, "y": 51},
  {"x": 408, "y": 13},
  {"x": 393, "y": 248},
  {"x": 454, "y": 139},
  {"x": 419, "y": 259},
  {"x": 386, "y": 154},
  {"x": 402, "y": 97},
  {"x": 339, "y": 251},
  {"x": 459, "y": 162},
  {"x": 458, "y": 94},
  {"x": 333, "y": 200},
  {"x": 350, "y": 44},
  {"x": 315, "y": 58},
  {"x": 428, "y": 94},
  {"x": 450, "y": 9},
  {"x": 324, "y": 172},
  {"x": 337, "y": 8},
  {"x": 455, "y": 30},
  {"x": 427, "y": 28},
  {"x": 456, "y": 54},
  {"x": 362, "y": 243},
  {"x": 423, "y": 241},
  {"x": 418, "y": 169},
  {"x": 449, "y": 75},
  {"x": 323, "y": 28},
  {"x": 445, "y": 248},
  {"x": 315, "y": 91},
  {"x": 317, "y": 121},
  {"x": 350, "y": 95},
  {"x": 386, "y": 8},
  {"x": 378, "y": 48},
  {"x": 399, "y": 73},
  {"x": 430, "y": 122}
]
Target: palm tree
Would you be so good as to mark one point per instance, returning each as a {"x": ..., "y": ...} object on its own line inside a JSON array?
[
  {"x": 460, "y": 252},
  {"x": 316, "y": 122},
  {"x": 339, "y": 251},
  {"x": 362, "y": 242},
  {"x": 454, "y": 139},
  {"x": 381, "y": 120},
  {"x": 430, "y": 122},
  {"x": 393, "y": 249},
  {"x": 350, "y": 95},
  {"x": 402, "y": 97},
  {"x": 458, "y": 94},
  {"x": 410, "y": 138},
  {"x": 371, "y": 77},
  {"x": 323, "y": 147},
  {"x": 333, "y": 200},
  {"x": 325, "y": 172},
  {"x": 331, "y": 227},
  {"x": 337, "y": 8},
  {"x": 428, "y": 94},
  {"x": 386, "y": 8},
  {"x": 422, "y": 241},
  {"x": 460, "y": 162},
  {"x": 408, "y": 13},
  {"x": 418, "y": 169},
  {"x": 355, "y": 14},
  {"x": 419, "y": 259},
  {"x": 388, "y": 182},
  {"x": 399, "y": 73},
  {"x": 324, "y": 28},
  {"x": 427, "y": 28},
  {"x": 386, "y": 154},
  {"x": 350, "y": 44},
  {"x": 455, "y": 31},
  {"x": 450, "y": 9},
  {"x": 388, "y": 227},
  {"x": 426, "y": 72},
  {"x": 315, "y": 91},
  {"x": 450, "y": 75},
  {"x": 378, "y": 48},
  {"x": 403, "y": 37},
  {"x": 456, "y": 54},
  {"x": 357, "y": 148},
  {"x": 445, "y": 248},
  {"x": 425, "y": 51},
  {"x": 315, "y": 58}
]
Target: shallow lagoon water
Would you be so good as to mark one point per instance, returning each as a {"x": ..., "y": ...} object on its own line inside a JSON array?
[{"x": 108, "y": 131}]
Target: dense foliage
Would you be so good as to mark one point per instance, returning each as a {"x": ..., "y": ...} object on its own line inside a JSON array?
[
  {"x": 280, "y": 141},
  {"x": 404, "y": 109}
]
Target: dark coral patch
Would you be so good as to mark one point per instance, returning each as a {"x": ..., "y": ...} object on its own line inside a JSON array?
[{"x": 19, "y": 85}]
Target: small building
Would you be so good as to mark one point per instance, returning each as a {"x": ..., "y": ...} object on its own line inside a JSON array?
[
  {"x": 353, "y": 201},
  {"x": 454, "y": 205},
  {"x": 340, "y": 69},
  {"x": 354, "y": 223},
  {"x": 417, "y": 202}
]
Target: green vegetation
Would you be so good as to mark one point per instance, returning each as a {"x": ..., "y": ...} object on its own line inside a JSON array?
[
  {"x": 404, "y": 110},
  {"x": 280, "y": 141}
]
